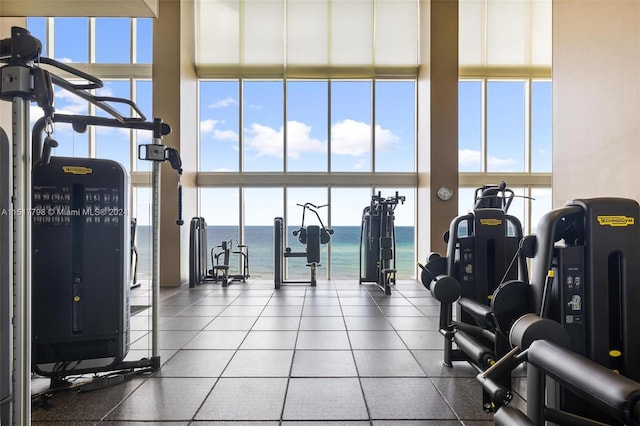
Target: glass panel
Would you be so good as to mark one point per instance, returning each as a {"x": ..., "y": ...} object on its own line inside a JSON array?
[
  {"x": 351, "y": 126},
  {"x": 465, "y": 200},
  {"x": 144, "y": 94},
  {"x": 505, "y": 126},
  {"x": 222, "y": 223},
  {"x": 295, "y": 267},
  {"x": 114, "y": 143},
  {"x": 347, "y": 205},
  {"x": 143, "y": 241},
  {"x": 219, "y": 124},
  {"x": 261, "y": 207},
  {"x": 541, "y": 132},
  {"x": 71, "y": 39},
  {"x": 263, "y": 111},
  {"x": 517, "y": 209},
  {"x": 307, "y": 117},
  {"x": 470, "y": 126},
  {"x": 144, "y": 41},
  {"x": 70, "y": 143},
  {"x": 113, "y": 40},
  {"x": 404, "y": 224},
  {"x": 395, "y": 126},
  {"x": 38, "y": 29},
  {"x": 541, "y": 204}
]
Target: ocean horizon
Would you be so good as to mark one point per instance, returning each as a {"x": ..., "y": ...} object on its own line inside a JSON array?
[{"x": 344, "y": 248}]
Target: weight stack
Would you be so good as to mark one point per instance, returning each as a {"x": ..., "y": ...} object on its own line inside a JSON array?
[{"x": 80, "y": 266}]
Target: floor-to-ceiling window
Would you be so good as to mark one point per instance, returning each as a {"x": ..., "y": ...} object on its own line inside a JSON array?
[{"x": 284, "y": 143}]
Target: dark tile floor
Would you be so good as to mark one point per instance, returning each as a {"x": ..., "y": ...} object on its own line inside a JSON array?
[{"x": 339, "y": 353}]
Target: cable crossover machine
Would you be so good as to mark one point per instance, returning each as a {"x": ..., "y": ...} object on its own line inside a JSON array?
[{"x": 378, "y": 242}]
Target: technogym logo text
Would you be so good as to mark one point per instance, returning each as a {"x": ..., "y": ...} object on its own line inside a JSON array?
[{"x": 616, "y": 220}]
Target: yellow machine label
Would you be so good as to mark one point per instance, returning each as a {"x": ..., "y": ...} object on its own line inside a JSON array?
[
  {"x": 77, "y": 170},
  {"x": 490, "y": 222},
  {"x": 616, "y": 220}
]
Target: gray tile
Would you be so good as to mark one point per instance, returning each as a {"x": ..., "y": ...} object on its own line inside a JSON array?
[
  {"x": 231, "y": 323},
  {"x": 167, "y": 339},
  {"x": 140, "y": 423},
  {"x": 281, "y": 311},
  {"x": 323, "y": 363},
  {"x": 404, "y": 398},
  {"x": 217, "y": 339},
  {"x": 196, "y": 363},
  {"x": 217, "y": 299},
  {"x": 250, "y": 301},
  {"x": 201, "y": 311},
  {"x": 464, "y": 395},
  {"x": 416, "y": 423},
  {"x": 244, "y": 399},
  {"x": 413, "y": 323},
  {"x": 277, "y": 323},
  {"x": 361, "y": 311},
  {"x": 260, "y": 363},
  {"x": 324, "y": 399},
  {"x": 322, "y": 323},
  {"x": 322, "y": 301},
  {"x": 392, "y": 301},
  {"x": 185, "y": 323},
  {"x": 270, "y": 340},
  {"x": 421, "y": 339},
  {"x": 370, "y": 339},
  {"x": 321, "y": 311},
  {"x": 242, "y": 311},
  {"x": 389, "y": 363},
  {"x": 167, "y": 398},
  {"x": 232, "y": 423},
  {"x": 327, "y": 423},
  {"x": 401, "y": 311},
  {"x": 431, "y": 363},
  {"x": 308, "y": 339},
  {"x": 286, "y": 301},
  {"x": 430, "y": 311},
  {"x": 68, "y": 406},
  {"x": 367, "y": 323}
]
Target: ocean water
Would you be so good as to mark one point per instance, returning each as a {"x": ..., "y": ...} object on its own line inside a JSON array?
[{"x": 344, "y": 247}]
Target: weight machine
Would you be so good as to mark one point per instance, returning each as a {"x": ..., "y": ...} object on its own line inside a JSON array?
[
  {"x": 312, "y": 236},
  {"x": 378, "y": 242},
  {"x": 22, "y": 82},
  {"x": 483, "y": 246}
]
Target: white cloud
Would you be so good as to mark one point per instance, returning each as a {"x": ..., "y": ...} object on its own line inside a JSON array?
[
  {"x": 300, "y": 140},
  {"x": 469, "y": 157},
  {"x": 265, "y": 140},
  {"x": 350, "y": 137},
  {"x": 502, "y": 164},
  {"x": 223, "y": 103},
  {"x": 209, "y": 126},
  {"x": 268, "y": 142}
]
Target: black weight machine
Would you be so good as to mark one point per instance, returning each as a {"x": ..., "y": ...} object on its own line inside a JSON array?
[
  {"x": 582, "y": 304},
  {"x": 199, "y": 271},
  {"x": 75, "y": 344},
  {"x": 221, "y": 258},
  {"x": 585, "y": 276},
  {"x": 312, "y": 236},
  {"x": 378, "y": 242},
  {"x": 483, "y": 251}
]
